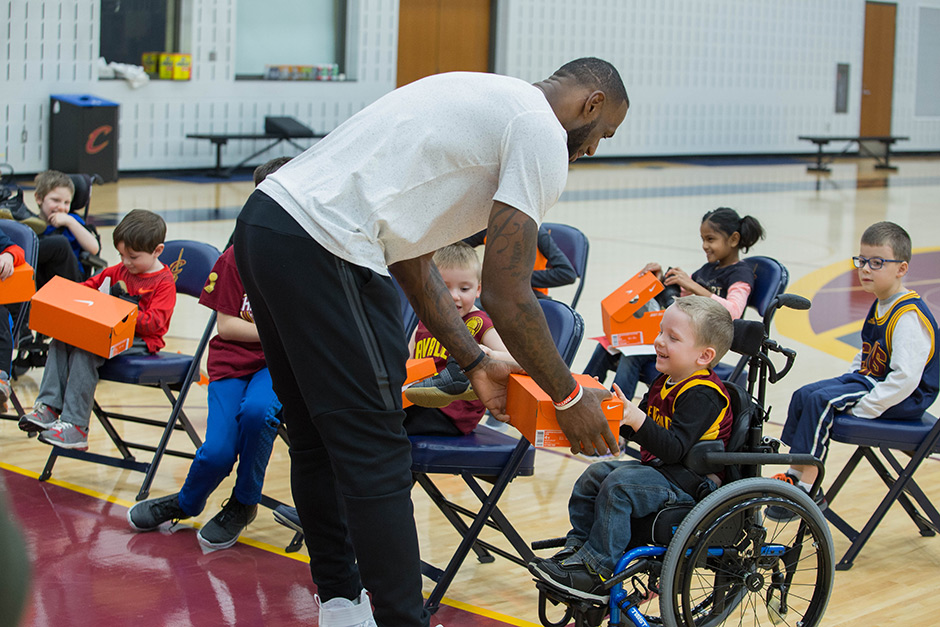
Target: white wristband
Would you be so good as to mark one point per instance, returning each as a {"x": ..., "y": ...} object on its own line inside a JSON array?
[{"x": 566, "y": 404}]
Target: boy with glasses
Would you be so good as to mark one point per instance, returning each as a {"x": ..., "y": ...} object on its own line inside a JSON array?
[{"x": 896, "y": 375}]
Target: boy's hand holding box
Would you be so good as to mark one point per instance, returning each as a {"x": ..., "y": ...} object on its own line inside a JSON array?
[
  {"x": 20, "y": 286},
  {"x": 621, "y": 326},
  {"x": 532, "y": 411},
  {"x": 84, "y": 317}
]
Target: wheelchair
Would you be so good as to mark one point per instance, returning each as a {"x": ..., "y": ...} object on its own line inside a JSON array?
[{"x": 722, "y": 561}]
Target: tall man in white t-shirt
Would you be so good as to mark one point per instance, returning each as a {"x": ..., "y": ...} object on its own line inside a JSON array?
[{"x": 424, "y": 166}]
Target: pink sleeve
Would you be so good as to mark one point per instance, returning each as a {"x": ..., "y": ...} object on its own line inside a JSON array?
[{"x": 737, "y": 299}]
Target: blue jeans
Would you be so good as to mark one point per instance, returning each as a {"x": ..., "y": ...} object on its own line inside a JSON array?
[
  {"x": 604, "y": 499},
  {"x": 242, "y": 425}
]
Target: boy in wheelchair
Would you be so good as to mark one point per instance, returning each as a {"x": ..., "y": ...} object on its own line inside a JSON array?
[{"x": 686, "y": 404}]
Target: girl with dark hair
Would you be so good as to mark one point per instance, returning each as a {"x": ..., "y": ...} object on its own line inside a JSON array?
[{"x": 724, "y": 277}]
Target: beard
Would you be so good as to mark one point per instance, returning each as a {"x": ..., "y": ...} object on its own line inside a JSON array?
[{"x": 578, "y": 136}]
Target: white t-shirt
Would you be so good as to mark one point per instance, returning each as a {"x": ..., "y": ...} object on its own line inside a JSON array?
[{"x": 420, "y": 168}]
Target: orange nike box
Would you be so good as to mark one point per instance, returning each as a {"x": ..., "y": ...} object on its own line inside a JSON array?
[
  {"x": 532, "y": 412},
  {"x": 621, "y": 326},
  {"x": 20, "y": 286},
  {"x": 417, "y": 369},
  {"x": 83, "y": 317}
]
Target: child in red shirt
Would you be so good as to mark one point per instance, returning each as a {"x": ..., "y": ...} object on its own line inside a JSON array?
[{"x": 62, "y": 409}]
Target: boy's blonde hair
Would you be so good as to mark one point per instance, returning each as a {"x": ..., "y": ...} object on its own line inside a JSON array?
[
  {"x": 711, "y": 323},
  {"x": 458, "y": 256},
  {"x": 889, "y": 234},
  {"x": 49, "y": 180},
  {"x": 140, "y": 230}
]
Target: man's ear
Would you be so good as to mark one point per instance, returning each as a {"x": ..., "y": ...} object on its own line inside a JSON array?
[
  {"x": 706, "y": 357},
  {"x": 593, "y": 104}
]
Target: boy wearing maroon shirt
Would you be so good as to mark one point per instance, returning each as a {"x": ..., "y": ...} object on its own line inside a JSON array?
[{"x": 63, "y": 407}]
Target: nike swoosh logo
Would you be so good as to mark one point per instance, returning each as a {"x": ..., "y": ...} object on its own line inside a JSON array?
[
  {"x": 86, "y": 302},
  {"x": 144, "y": 291},
  {"x": 610, "y": 407}
]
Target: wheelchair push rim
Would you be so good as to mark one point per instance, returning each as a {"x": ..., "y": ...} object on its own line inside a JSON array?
[{"x": 728, "y": 563}]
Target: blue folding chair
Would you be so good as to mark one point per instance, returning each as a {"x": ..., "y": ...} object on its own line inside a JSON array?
[
  {"x": 493, "y": 457},
  {"x": 917, "y": 439},
  {"x": 25, "y": 238},
  {"x": 190, "y": 262},
  {"x": 575, "y": 245}
]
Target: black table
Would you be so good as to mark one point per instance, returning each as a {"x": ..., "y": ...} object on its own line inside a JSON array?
[
  {"x": 884, "y": 163},
  {"x": 222, "y": 139}
]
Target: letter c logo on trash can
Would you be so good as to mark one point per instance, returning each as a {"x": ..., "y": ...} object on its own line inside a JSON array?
[{"x": 92, "y": 146}]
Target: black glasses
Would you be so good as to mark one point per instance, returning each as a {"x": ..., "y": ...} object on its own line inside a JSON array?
[{"x": 875, "y": 263}]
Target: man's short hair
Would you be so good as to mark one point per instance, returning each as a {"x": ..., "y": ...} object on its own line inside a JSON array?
[
  {"x": 458, "y": 256},
  {"x": 140, "y": 230},
  {"x": 891, "y": 235},
  {"x": 597, "y": 74},
  {"x": 51, "y": 179},
  {"x": 269, "y": 167},
  {"x": 711, "y": 323}
]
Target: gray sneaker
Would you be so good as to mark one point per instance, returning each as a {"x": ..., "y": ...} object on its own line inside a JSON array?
[
  {"x": 41, "y": 418},
  {"x": 150, "y": 514},
  {"x": 66, "y": 435},
  {"x": 223, "y": 530}
]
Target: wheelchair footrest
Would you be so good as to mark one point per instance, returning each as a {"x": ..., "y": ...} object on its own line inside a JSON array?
[{"x": 585, "y": 613}]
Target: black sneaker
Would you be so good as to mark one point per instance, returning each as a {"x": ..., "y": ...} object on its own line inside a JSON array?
[
  {"x": 574, "y": 578},
  {"x": 783, "y": 514},
  {"x": 223, "y": 530},
  {"x": 447, "y": 386},
  {"x": 150, "y": 514}
]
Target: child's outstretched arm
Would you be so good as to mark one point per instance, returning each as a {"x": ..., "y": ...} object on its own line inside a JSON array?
[
  {"x": 493, "y": 345},
  {"x": 633, "y": 416},
  {"x": 235, "y": 329}
]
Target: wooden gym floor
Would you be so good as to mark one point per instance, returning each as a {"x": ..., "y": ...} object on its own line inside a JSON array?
[{"x": 90, "y": 567}]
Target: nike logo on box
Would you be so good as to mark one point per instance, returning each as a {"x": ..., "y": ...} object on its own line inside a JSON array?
[
  {"x": 86, "y": 302},
  {"x": 610, "y": 407}
]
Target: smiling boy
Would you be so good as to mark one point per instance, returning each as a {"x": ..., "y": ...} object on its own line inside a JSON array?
[
  {"x": 896, "y": 375},
  {"x": 686, "y": 404},
  {"x": 65, "y": 237}
]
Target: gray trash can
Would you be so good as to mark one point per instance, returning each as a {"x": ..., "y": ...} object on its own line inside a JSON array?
[{"x": 83, "y": 135}]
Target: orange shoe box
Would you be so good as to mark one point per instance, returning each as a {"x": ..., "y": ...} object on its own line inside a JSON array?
[
  {"x": 417, "y": 369},
  {"x": 20, "y": 286},
  {"x": 83, "y": 317},
  {"x": 621, "y": 327},
  {"x": 532, "y": 412}
]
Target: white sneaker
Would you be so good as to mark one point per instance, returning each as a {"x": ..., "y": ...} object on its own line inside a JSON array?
[{"x": 340, "y": 612}]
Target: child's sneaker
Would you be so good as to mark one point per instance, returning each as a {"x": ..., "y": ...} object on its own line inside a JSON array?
[
  {"x": 572, "y": 576},
  {"x": 66, "y": 435},
  {"x": 150, "y": 514},
  {"x": 340, "y": 612},
  {"x": 447, "y": 386},
  {"x": 41, "y": 418},
  {"x": 782, "y": 514},
  {"x": 223, "y": 530}
]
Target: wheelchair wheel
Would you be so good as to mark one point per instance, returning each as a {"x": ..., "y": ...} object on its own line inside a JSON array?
[{"x": 729, "y": 564}]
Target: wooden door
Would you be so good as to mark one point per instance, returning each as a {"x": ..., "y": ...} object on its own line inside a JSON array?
[
  {"x": 442, "y": 36},
  {"x": 878, "y": 69}
]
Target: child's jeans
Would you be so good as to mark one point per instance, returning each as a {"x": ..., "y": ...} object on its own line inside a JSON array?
[
  {"x": 242, "y": 424},
  {"x": 629, "y": 370},
  {"x": 604, "y": 499}
]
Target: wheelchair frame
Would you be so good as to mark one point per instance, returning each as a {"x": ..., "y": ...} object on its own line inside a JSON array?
[{"x": 724, "y": 557}]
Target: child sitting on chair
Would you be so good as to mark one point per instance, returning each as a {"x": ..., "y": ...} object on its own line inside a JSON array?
[
  {"x": 65, "y": 235},
  {"x": 242, "y": 422},
  {"x": 62, "y": 409},
  {"x": 11, "y": 256},
  {"x": 686, "y": 404},
  {"x": 896, "y": 375},
  {"x": 724, "y": 278},
  {"x": 437, "y": 411}
]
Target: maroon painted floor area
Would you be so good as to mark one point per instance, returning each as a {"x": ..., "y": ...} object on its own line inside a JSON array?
[{"x": 89, "y": 568}]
